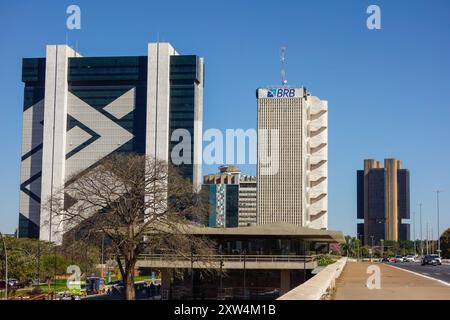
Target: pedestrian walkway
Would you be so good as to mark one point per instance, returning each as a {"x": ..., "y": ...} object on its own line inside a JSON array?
[{"x": 396, "y": 284}]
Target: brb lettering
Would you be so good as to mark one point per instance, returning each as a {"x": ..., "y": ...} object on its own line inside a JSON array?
[{"x": 281, "y": 93}]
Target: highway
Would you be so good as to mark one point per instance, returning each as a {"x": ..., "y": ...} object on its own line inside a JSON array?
[{"x": 441, "y": 272}]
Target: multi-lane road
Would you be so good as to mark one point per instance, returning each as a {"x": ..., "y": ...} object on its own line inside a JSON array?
[{"x": 441, "y": 272}]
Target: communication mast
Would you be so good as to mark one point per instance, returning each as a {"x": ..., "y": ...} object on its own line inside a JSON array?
[{"x": 282, "y": 65}]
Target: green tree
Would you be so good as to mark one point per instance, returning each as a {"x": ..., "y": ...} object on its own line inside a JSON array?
[
  {"x": 53, "y": 265},
  {"x": 365, "y": 252},
  {"x": 406, "y": 247},
  {"x": 445, "y": 244},
  {"x": 351, "y": 246},
  {"x": 24, "y": 257},
  {"x": 31, "y": 259},
  {"x": 347, "y": 246},
  {"x": 392, "y": 246}
]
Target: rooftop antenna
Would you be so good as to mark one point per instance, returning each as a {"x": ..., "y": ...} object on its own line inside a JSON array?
[{"x": 283, "y": 65}]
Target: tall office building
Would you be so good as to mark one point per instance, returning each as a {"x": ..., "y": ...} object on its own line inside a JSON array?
[
  {"x": 231, "y": 197},
  {"x": 78, "y": 110},
  {"x": 383, "y": 201},
  {"x": 292, "y": 157},
  {"x": 222, "y": 190},
  {"x": 247, "y": 200}
]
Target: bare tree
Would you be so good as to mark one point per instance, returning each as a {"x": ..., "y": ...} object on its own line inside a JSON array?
[{"x": 138, "y": 203}]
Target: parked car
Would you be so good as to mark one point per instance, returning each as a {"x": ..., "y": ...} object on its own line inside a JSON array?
[
  {"x": 13, "y": 283},
  {"x": 392, "y": 259},
  {"x": 409, "y": 258},
  {"x": 385, "y": 259},
  {"x": 429, "y": 260},
  {"x": 399, "y": 259},
  {"x": 437, "y": 258}
]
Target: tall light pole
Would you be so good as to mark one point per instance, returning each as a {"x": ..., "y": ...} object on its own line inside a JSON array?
[
  {"x": 371, "y": 250},
  {"x": 6, "y": 266},
  {"x": 414, "y": 232},
  {"x": 103, "y": 249},
  {"x": 438, "y": 235},
  {"x": 421, "y": 236},
  {"x": 359, "y": 244}
]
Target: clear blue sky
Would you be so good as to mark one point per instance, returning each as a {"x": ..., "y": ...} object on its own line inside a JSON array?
[{"x": 388, "y": 90}]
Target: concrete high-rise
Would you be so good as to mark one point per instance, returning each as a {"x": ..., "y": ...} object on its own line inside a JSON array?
[
  {"x": 383, "y": 201},
  {"x": 222, "y": 190},
  {"x": 78, "y": 110},
  {"x": 292, "y": 157},
  {"x": 247, "y": 200},
  {"x": 231, "y": 197}
]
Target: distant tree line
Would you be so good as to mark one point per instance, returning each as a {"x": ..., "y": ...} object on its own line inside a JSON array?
[
  {"x": 353, "y": 247},
  {"x": 30, "y": 259}
]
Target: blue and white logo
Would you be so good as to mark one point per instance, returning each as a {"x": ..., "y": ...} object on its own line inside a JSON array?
[
  {"x": 271, "y": 93},
  {"x": 281, "y": 93}
]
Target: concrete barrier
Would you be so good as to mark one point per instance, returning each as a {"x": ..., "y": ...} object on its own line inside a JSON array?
[{"x": 319, "y": 286}]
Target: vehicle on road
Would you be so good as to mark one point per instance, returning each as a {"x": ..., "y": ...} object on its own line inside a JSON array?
[
  {"x": 13, "y": 283},
  {"x": 399, "y": 259},
  {"x": 385, "y": 259},
  {"x": 437, "y": 258},
  {"x": 392, "y": 259},
  {"x": 410, "y": 258},
  {"x": 429, "y": 260}
]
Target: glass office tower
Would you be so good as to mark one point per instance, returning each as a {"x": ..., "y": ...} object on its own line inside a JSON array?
[
  {"x": 78, "y": 110},
  {"x": 382, "y": 201}
]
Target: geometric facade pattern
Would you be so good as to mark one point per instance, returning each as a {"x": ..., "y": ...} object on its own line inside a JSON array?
[{"x": 96, "y": 106}]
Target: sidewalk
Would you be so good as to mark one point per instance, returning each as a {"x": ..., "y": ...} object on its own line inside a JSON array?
[{"x": 396, "y": 284}]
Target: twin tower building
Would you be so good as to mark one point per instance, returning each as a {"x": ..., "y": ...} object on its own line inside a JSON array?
[{"x": 78, "y": 110}]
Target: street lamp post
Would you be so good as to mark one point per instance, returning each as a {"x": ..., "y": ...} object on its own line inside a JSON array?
[
  {"x": 304, "y": 260},
  {"x": 192, "y": 274},
  {"x": 421, "y": 236},
  {"x": 39, "y": 262},
  {"x": 221, "y": 282},
  {"x": 414, "y": 232},
  {"x": 371, "y": 250},
  {"x": 439, "y": 238},
  {"x": 359, "y": 246},
  {"x": 6, "y": 266},
  {"x": 245, "y": 280},
  {"x": 103, "y": 256}
]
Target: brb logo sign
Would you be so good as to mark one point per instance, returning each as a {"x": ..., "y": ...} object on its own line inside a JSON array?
[{"x": 281, "y": 93}]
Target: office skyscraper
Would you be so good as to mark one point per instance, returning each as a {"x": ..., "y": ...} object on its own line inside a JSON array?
[
  {"x": 247, "y": 200},
  {"x": 78, "y": 110},
  {"x": 292, "y": 157},
  {"x": 222, "y": 191},
  {"x": 383, "y": 201}
]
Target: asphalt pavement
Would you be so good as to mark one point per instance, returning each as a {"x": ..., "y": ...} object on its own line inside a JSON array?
[{"x": 440, "y": 272}]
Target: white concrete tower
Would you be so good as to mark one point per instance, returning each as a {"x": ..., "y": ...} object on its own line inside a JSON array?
[
  {"x": 54, "y": 137},
  {"x": 292, "y": 158}
]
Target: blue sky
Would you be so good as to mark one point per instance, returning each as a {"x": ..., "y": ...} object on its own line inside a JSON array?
[{"x": 388, "y": 89}]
